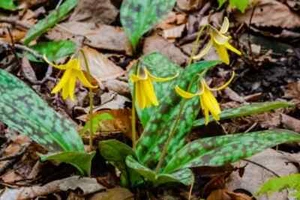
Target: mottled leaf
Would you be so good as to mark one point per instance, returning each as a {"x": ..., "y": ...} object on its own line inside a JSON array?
[
  {"x": 81, "y": 160},
  {"x": 239, "y": 4},
  {"x": 217, "y": 151},
  {"x": 246, "y": 110},
  {"x": 52, "y": 50},
  {"x": 277, "y": 184},
  {"x": 161, "y": 123},
  {"x": 7, "y": 4},
  {"x": 52, "y": 19},
  {"x": 184, "y": 176},
  {"x": 139, "y": 16},
  {"x": 24, "y": 111},
  {"x": 95, "y": 122},
  {"x": 116, "y": 152}
]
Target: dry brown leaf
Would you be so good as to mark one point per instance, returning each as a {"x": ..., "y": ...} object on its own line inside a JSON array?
[
  {"x": 174, "y": 32},
  {"x": 98, "y": 36},
  {"x": 86, "y": 185},
  {"x": 223, "y": 194},
  {"x": 270, "y": 13},
  {"x": 96, "y": 11},
  {"x": 101, "y": 68},
  {"x": 292, "y": 91},
  {"x": 188, "y": 5},
  {"x": 158, "y": 44},
  {"x": 291, "y": 122},
  {"x": 113, "y": 194}
]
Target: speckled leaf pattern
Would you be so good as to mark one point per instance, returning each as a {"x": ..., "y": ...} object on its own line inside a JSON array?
[
  {"x": 217, "y": 151},
  {"x": 184, "y": 176},
  {"x": 159, "y": 66},
  {"x": 80, "y": 160},
  {"x": 251, "y": 109},
  {"x": 139, "y": 16},
  {"x": 24, "y": 111},
  {"x": 158, "y": 128}
]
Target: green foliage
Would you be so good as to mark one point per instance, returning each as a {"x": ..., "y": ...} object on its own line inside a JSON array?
[
  {"x": 7, "y": 4},
  {"x": 246, "y": 110},
  {"x": 53, "y": 18},
  {"x": 160, "y": 124},
  {"x": 239, "y": 4},
  {"x": 24, "y": 111},
  {"x": 53, "y": 50},
  {"x": 139, "y": 16},
  {"x": 220, "y": 150},
  {"x": 96, "y": 122},
  {"x": 81, "y": 160},
  {"x": 291, "y": 182}
]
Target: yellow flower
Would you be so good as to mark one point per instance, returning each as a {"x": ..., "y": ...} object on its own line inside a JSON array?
[
  {"x": 220, "y": 41},
  {"x": 143, "y": 87},
  {"x": 208, "y": 102},
  {"x": 73, "y": 71}
]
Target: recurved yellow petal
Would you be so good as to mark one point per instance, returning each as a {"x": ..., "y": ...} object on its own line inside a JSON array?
[
  {"x": 225, "y": 26},
  {"x": 223, "y": 86},
  {"x": 210, "y": 102},
  {"x": 64, "y": 79},
  {"x": 231, "y": 48},
  {"x": 218, "y": 37},
  {"x": 134, "y": 78},
  {"x": 222, "y": 53},
  {"x": 140, "y": 98},
  {"x": 84, "y": 80},
  {"x": 204, "y": 51},
  {"x": 72, "y": 84},
  {"x": 161, "y": 79},
  {"x": 149, "y": 93},
  {"x": 61, "y": 67},
  {"x": 184, "y": 94}
]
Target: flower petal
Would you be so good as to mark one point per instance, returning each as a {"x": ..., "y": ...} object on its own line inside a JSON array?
[
  {"x": 218, "y": 37},
  {"x": 225, "y": 26},
  {"x": 222, "y": 52},
  {"x": 65, "y": 92},
  {"x": 140, "y": 99},
  {"x": 134, "y": 78},
  {"x": 183, "y": 93},
  {"x": 160, "y": 79},
  {"x": 149, "y": 93},
  {"x": 72, "y": 84},
  {"x": 231, "y": 48},
  {"x": 80, "y": 75},
  {"x": 204, "y": 51},
  {"x": 63, "y": 81},
  {"x": 62, "y": 67},
  {"x": 223, "y": 86},
  {"x": 211, "y": 103}
]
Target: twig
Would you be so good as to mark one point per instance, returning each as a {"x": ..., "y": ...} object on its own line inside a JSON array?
[
  {"x": 259, "y": 165},
  {"x": 13, "y": 21},
  {"x": 22, "y": 47}
]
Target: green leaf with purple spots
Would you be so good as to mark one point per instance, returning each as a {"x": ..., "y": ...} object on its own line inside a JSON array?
[
  {"x": 22, "y": 110},
  {"x": 162, "y": 120},
  {"x": 139, "y": 16},
  {"x": 246, "y": 110},
  {"x": 80, "y": 160},
  {"x": 184, "y": 176},
  {"x": 220, "y": 150}
]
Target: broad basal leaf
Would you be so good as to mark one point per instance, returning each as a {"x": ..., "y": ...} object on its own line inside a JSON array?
[
  {"x": 217, "y": 151},
  {"x": 53, "y": 50},
  {"x": 184, "y": 176},
  {"x": 7, "y": 4},
  {"x": 291, "y": 182},
  {"x": 24, "y": 111},
  {"x": 95, "y": 122},
  {"x": 53, "y": 18},
  {"x": 116, "y": 152},
  {"x": 81, "y": 160},
  {"x": 161, "y": 122},
  {"x": 139, "y": 16},
  {"x": 246, "y": 110},
  {"x": 160, "y": 66},
  {"x": 239, "y": 4}
]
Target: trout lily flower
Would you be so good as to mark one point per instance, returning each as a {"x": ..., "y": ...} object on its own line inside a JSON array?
[
  {"x": 144, "y": 93},
  {"x": 73, "y": 71},
  {"x": 220, "y": 41},
  {"x": 208, "y": 102}
]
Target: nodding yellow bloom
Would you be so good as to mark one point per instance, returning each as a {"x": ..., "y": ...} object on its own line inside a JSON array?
[
  {"x": 143, "y": 87},
  {"x": 73, "y": 71},
  {"x": 208, "y": 102},
  {"x": 220, "y": 41}
]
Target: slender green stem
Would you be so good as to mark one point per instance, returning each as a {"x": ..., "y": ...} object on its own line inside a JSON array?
[
  {"x": 173, "y": 130},
  {"x": 91, "y": 101},
  {"x": 133, "y": 121}
]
